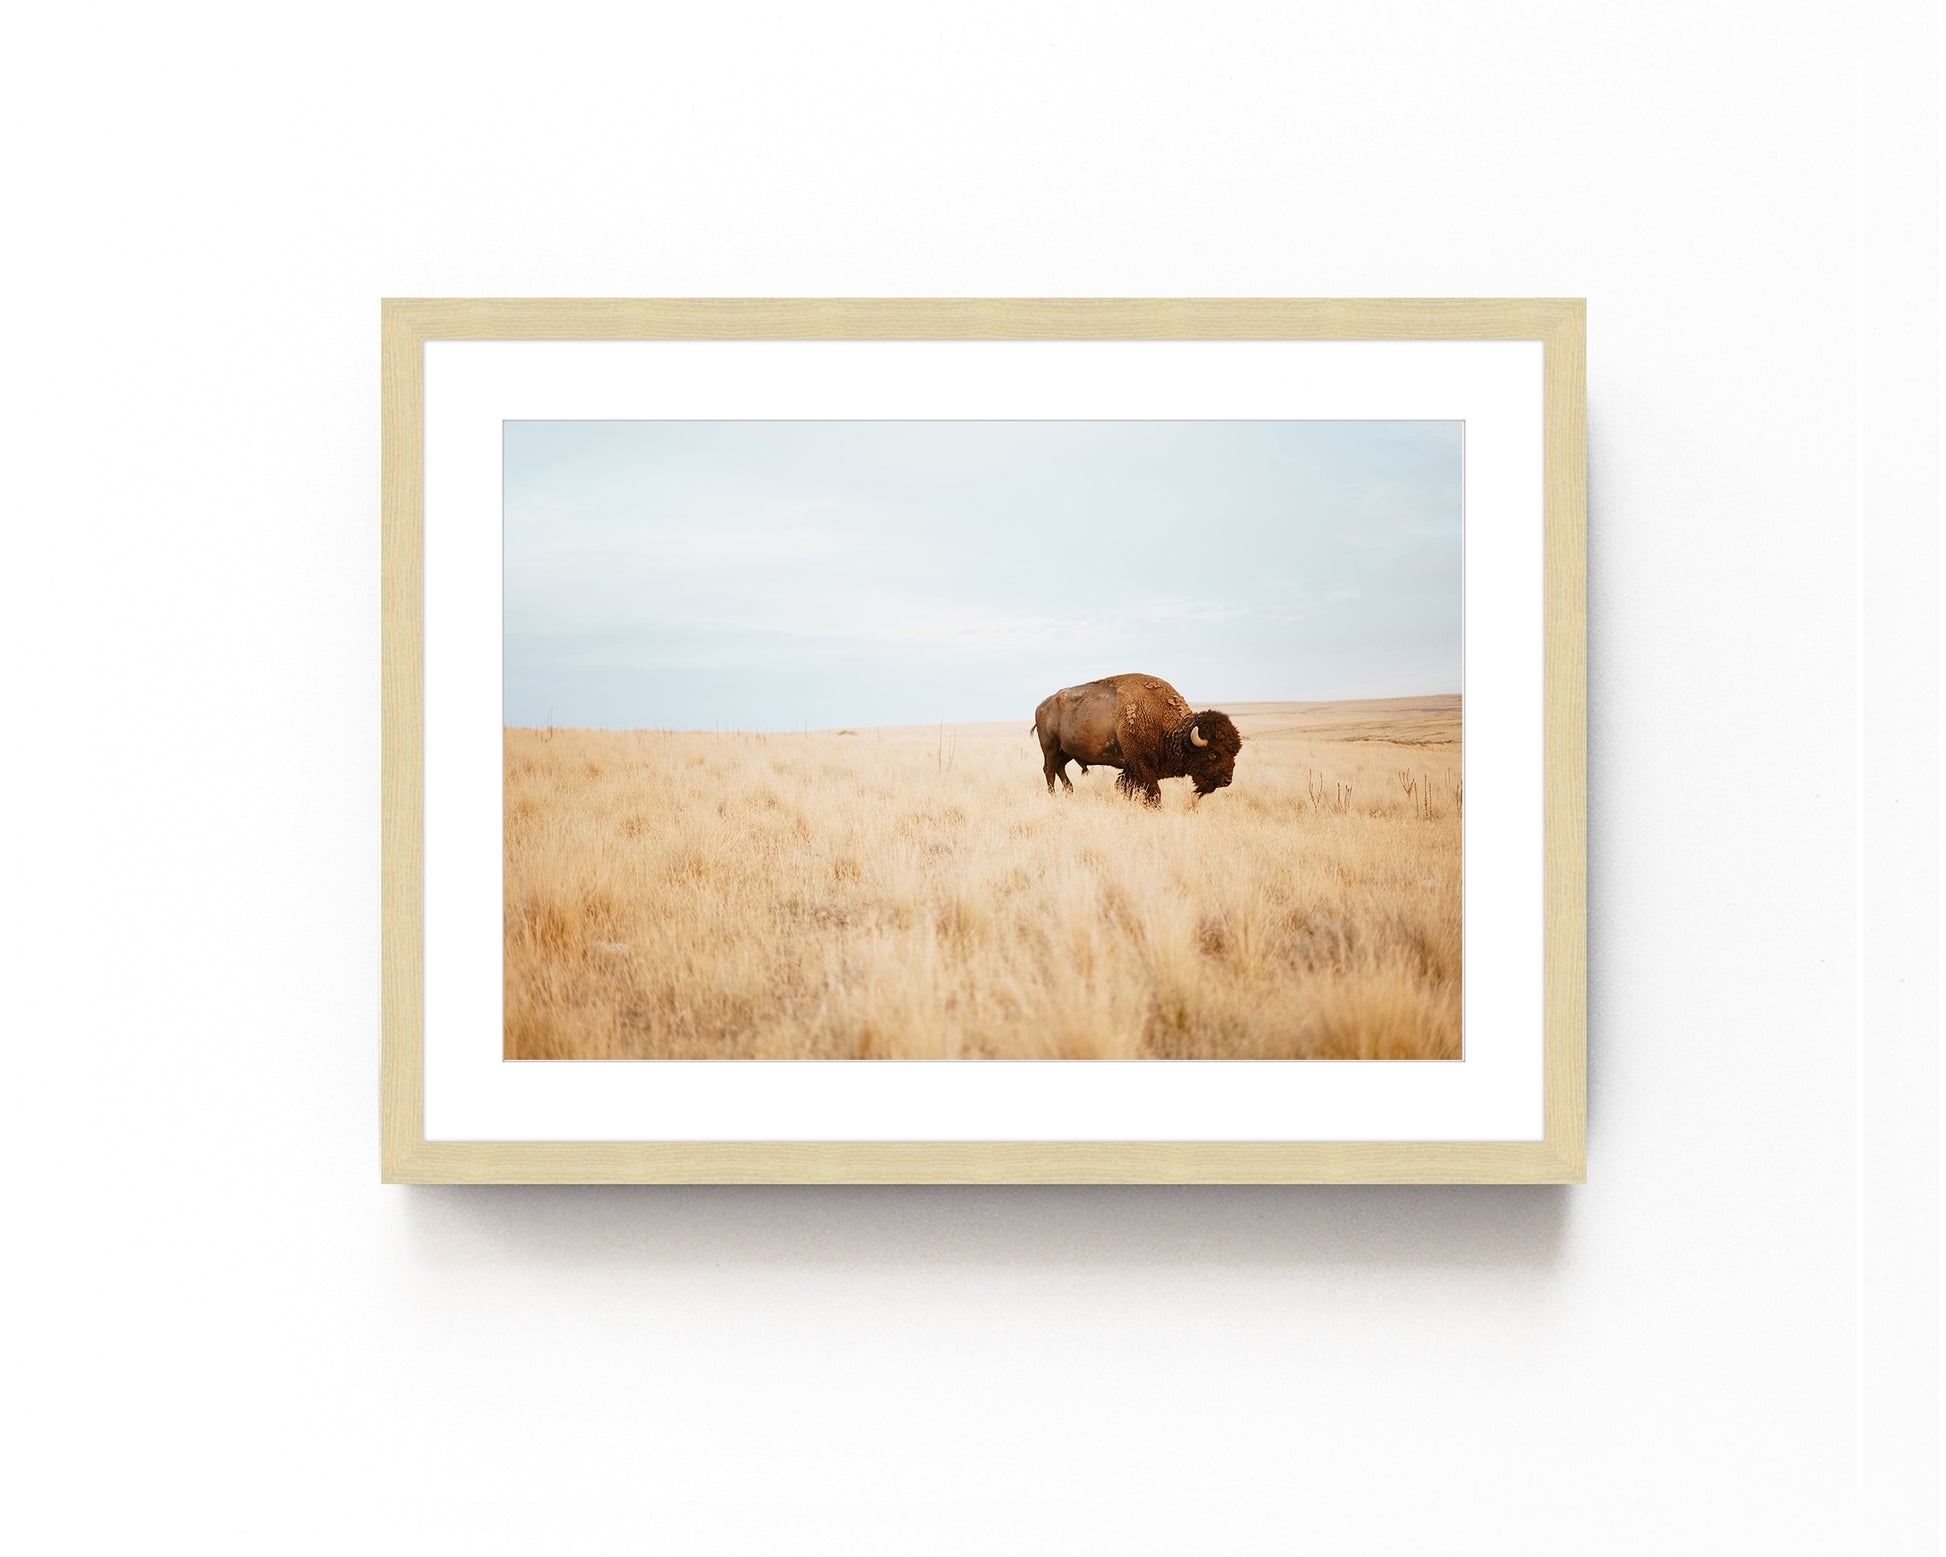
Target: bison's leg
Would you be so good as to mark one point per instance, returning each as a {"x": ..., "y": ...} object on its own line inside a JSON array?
[
  {"x": 1135, "y": 780},
  {"x": 1054, "y": 764}
]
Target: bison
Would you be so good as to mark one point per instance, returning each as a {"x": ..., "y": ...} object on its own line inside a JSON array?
[{"x": 1141, "y": 725}]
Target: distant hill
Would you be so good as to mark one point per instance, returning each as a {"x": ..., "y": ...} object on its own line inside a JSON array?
[{"x": 1431, "y": 720}]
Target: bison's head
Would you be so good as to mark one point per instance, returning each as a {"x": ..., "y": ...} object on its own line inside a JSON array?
[{"x": 1209, "y": 750}]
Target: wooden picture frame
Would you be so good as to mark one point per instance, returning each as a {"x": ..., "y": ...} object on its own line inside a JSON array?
[{"x": 408, "y": 1156}]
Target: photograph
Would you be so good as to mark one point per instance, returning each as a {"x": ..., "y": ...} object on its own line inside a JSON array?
[{"x": 982, "y": 740}]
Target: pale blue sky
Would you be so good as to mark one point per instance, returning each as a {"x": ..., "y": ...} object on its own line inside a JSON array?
[{"x": 771, "y": 575}]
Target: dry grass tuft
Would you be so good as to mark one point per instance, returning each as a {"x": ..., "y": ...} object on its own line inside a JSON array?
[{"x": 917, "y": 895}]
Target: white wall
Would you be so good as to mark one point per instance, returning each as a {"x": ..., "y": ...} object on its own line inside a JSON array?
[{"x": 227, "y": 1331}]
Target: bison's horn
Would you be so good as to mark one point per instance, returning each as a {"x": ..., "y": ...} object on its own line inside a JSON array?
[{"x": 1196, "y": 736}]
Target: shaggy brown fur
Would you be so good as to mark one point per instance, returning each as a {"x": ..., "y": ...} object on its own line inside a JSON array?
[{"x": 1141, "y": 725}]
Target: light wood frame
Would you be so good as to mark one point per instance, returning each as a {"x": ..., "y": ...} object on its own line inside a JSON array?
[{"x": 407, "y": 1157}]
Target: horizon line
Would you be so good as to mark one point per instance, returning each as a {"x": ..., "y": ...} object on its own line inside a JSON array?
[{"x": 930, "y": 724}]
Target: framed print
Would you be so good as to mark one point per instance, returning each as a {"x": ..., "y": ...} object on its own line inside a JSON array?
[{"x": 970, "y": 741}]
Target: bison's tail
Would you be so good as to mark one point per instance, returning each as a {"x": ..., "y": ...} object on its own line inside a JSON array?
[{"x": 1034, "y": 728}]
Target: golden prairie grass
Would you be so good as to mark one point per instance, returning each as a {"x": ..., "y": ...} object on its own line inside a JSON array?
[{"x": 918, "y": 895}]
